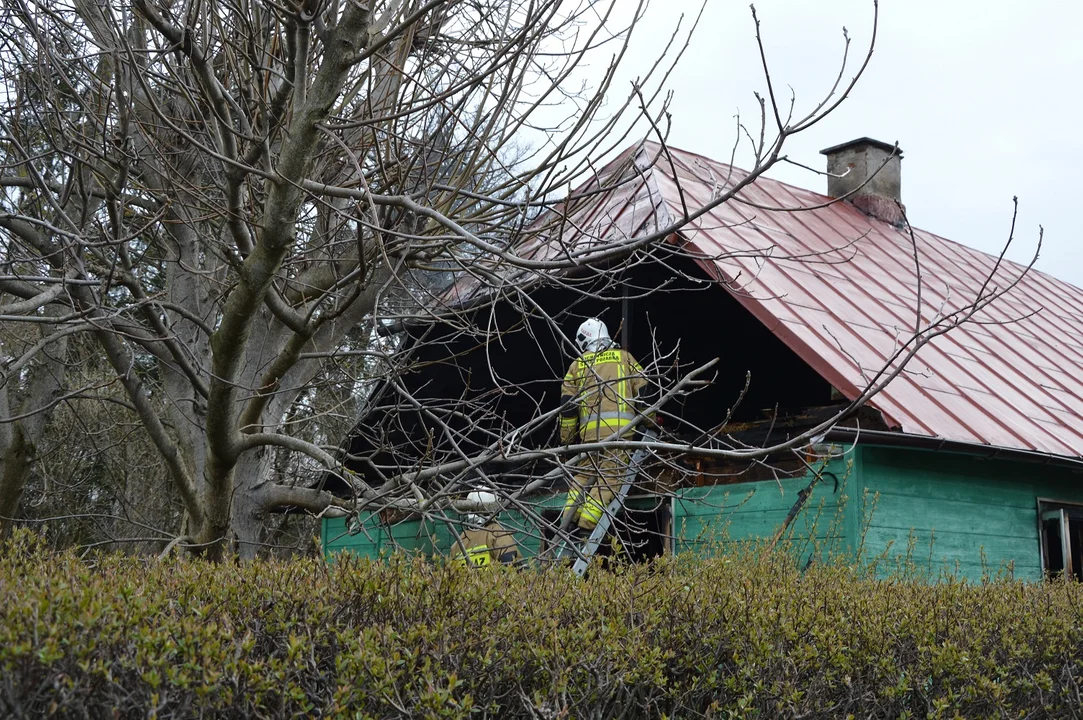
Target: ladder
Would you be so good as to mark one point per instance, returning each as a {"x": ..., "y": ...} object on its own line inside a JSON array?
[{"x": 586, "y": 553}]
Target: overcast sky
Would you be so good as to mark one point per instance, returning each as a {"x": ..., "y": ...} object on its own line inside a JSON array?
[{"x": 984, "y": 98}]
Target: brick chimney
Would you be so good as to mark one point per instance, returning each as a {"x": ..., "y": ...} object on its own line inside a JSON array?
[{"x": 872, "y": 171}]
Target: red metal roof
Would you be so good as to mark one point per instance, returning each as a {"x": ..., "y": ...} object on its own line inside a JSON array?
[{"x": 839, "y": 288}]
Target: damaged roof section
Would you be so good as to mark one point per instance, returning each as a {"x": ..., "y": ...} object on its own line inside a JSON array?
[{"x": 840, "y": 288}]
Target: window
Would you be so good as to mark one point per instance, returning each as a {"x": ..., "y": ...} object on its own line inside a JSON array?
[{"x": 1061, "y": 538}]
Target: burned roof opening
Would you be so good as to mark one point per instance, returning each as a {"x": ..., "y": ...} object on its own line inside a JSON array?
[
  {"x": 697, "y": 321},
  {"x": 668, "y": 314}
]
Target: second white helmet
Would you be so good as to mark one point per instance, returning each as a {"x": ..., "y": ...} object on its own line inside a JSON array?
[
  {"x": 593, "y": 336},
  {"x": 481, "y": 497}
]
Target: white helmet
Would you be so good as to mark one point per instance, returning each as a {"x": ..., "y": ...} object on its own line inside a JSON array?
[
  {"x": 593, "y": 336},
  {"x": 481, "y": 497}
]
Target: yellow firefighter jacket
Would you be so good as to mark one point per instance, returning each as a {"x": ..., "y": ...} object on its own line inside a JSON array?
[
  {"x": 598, "y": 393},
  {"x": 486, "y": 545}
]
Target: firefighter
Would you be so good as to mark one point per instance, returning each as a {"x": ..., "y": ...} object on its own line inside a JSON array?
[
  {"x": 597, "y": 400},
  {"x": 484, "y": 541}
]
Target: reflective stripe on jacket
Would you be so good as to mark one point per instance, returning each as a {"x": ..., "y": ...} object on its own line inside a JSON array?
[
  {"x": 478, "y": 556},
  {"x": 485, "y": 546},
  {"x": 599, "y": 390},
  {"x": 591, "y": 510}
]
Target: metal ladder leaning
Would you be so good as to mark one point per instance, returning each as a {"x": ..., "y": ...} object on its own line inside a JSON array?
[{"x": 586, "y": 552}]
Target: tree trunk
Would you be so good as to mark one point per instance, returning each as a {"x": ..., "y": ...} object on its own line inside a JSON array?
[
  {"x": 252, "y": 472},
  {"x": 211, "y": 534},
  {"x": 146, "y": 504},
  {"x": 16, "y": 460},
  {"x": 19, "y": 439}
]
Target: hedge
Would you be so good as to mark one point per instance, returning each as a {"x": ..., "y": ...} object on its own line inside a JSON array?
[{"x": 747, "y": 635}]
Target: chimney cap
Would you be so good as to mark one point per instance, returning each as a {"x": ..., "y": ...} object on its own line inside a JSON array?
[{"x": 886, "y": 147}]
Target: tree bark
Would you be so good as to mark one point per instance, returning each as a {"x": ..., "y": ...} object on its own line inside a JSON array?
[
  {"x": 20, "y": 437},
  {"x": 253, "y": 471}
]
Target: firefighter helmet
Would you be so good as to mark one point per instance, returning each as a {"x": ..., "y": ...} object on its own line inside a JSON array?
[
  {"x": 593, "y": 336},
  {"x": 481, "y": 497}
]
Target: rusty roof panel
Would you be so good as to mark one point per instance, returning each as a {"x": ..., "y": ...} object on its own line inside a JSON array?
[{"x": 840, "y": 288}]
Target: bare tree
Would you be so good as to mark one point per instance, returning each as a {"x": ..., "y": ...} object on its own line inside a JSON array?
[
  {"x": 238, "y": 202},
  {"x": 221, "y": 196}
]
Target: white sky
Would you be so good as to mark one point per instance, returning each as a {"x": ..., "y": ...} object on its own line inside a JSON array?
[{"x": 984, "y": 98}]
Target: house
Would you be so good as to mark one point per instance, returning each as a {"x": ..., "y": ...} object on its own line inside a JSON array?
[{"x": 970, "y": 460}]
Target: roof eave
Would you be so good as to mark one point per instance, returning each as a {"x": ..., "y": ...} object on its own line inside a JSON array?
[{"x": 892, "y": 438}]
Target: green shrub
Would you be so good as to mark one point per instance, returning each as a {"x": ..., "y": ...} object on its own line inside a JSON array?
[{"x": 744, "y": 635}]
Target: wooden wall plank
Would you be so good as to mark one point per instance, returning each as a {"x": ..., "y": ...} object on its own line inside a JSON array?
[{"x": 965, "y": 505}]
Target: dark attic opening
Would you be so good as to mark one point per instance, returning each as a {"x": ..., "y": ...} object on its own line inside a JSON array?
[{"x": 666, "y": 313}]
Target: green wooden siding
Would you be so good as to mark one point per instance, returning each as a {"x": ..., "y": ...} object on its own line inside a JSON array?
[
  {"x": 708, "y": 518},
  {"x": 957, "y": 513},
  {"x": 930, "y": 511},
  {"x": 702, "y": 517},
  {"x": 374, "y": 538},
  {"x": 434, "y": 536}
]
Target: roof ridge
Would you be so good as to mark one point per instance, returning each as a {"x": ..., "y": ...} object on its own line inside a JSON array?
[{"x": 826, "y": 198}]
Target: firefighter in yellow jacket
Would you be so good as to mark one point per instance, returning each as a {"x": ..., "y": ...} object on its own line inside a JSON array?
[
  {"x": 484, "y": 542},
  {"x": 597, "y": 400}
]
